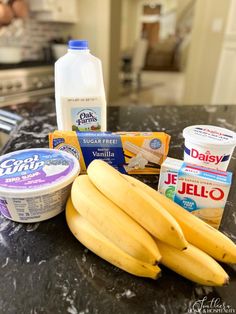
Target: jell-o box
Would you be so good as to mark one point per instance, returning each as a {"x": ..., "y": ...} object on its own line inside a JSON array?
[
  {"x": 168, "y": 176},
  {"x": 200, "y": 190}
]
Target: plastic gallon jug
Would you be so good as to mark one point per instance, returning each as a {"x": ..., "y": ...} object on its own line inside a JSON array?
[{"x": 79, "y": 90}]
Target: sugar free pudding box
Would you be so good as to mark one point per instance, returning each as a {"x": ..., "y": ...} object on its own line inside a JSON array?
[
  {"x": 209, "y": 146},
  {"x": 200, "y": 190},
  {"x": 128, "y": 152}
]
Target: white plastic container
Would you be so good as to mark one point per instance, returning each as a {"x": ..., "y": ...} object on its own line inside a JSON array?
[
  {"x": 59, "y": 50},
  {"x": 79, "y": 90},
  {"x": 11, "y": 54},
  {"x": 35, "y": 183},
  {"x": 209, "y": 146}
]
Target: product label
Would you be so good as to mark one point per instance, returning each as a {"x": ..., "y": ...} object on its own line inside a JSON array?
[
  {"x": 168, "y": 177},
  {"x": 105, "y": 146},
  {"x": 86, "y": 119},
  {"x": 167, "y": 183},
  {"x": 171, "y": 178},
  {"x": 33, "y": 168},
  {"x": 206, "y": 156},
  {"x": 213, "y": 193},
  {"x": 84, "y": 114},
  {"x": 202, "y": 191},
  {"x": 35, "y": 208},
  {"x": 3, "y": 208},
  {"x": 212, "y": 134},
  {"x": 129, "y": 152}
]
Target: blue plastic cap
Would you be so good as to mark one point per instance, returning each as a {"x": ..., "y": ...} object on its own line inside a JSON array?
[{"x": 78, "y": 44}]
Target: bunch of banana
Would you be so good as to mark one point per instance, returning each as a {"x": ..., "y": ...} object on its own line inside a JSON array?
[
  {"x": 193, "y": 264},
  {"x": 133, "y": 227},
  {"x": 94, "y": 240},
  {"x": 112, "y": 222},
  {"x": 136, "y": 203},
  {"x": 196, "y": 231}
]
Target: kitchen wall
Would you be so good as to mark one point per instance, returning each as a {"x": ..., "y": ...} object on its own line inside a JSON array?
[
  {"x": 182, "y": 6},
  {"x": 129, "y": 23},
  {"x": 168, "y": 5},
  {"x": 115, "y": 53},
  {"x": 184, "y": 15},
  {"x": 31, "y": 35},
  {"x": 205, "y": 49},
  {"x": 224, "y": 89},
  {"x": 94, "y": 25},
  {"x": 99, "y": 23},
  {"x": 131, "y": 19}
]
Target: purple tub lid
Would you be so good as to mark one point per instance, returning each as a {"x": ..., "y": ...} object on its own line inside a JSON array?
[{"x": 34, "y": 170}]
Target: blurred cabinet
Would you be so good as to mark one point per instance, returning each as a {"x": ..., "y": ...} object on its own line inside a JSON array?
[
  {"x": 150, "y": 20},
  {"x": 231, "y": 25},
  {"x": 55, "y": 10},
  {"x": 225, "y": 91}
]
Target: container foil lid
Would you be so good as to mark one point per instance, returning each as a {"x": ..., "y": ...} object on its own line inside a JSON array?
[
  {"x": 210, "y": 135},
  {"x": 36, "y": 171}
]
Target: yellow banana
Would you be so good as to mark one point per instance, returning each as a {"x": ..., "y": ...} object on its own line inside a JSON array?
[
  {"x": 100, "y": 245},
  {"x": 112, "y": 222},
  {"x": 193, "y": 264},
  {"x": 196, "y": 231},
  {"x": 137, "y": 204}
]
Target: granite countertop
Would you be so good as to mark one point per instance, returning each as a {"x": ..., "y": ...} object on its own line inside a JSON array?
[{"x": 44, "y": 269}]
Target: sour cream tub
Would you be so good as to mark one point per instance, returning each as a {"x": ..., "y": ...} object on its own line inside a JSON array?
[
  {"x": 35, "y": 183},
  {"x": 209, "y": 146}
]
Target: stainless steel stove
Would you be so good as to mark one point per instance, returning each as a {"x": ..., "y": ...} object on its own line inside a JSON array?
[
  {"x": 25, "y": 83},
  {"x": 8, "y": 124}
]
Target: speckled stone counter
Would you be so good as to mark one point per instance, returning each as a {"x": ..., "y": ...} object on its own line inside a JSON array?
[{"x": 44, "y": 269}]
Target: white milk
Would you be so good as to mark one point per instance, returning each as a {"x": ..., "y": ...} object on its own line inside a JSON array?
[{"x": 79, "y": 90}]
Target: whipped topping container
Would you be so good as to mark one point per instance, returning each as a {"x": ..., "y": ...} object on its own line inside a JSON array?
[
  {"x": 35, "y": 183},
  {"x": 209, "y": 146}
]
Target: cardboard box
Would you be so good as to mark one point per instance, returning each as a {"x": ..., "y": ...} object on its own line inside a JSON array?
[
  {"x": 200, "y": 190},
  {"x": 128, "y": 152}
]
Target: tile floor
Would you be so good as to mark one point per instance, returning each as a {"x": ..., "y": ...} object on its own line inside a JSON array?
[{"x": 158, "y": 88}]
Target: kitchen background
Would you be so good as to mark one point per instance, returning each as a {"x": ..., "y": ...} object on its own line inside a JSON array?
[{"x": 163, "y": 52}]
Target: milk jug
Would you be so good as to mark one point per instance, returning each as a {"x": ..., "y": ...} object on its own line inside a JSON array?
[{"x": 79, "y": 90}]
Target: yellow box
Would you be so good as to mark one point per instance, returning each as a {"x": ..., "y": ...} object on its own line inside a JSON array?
[{"x": 128, "y": 152}]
